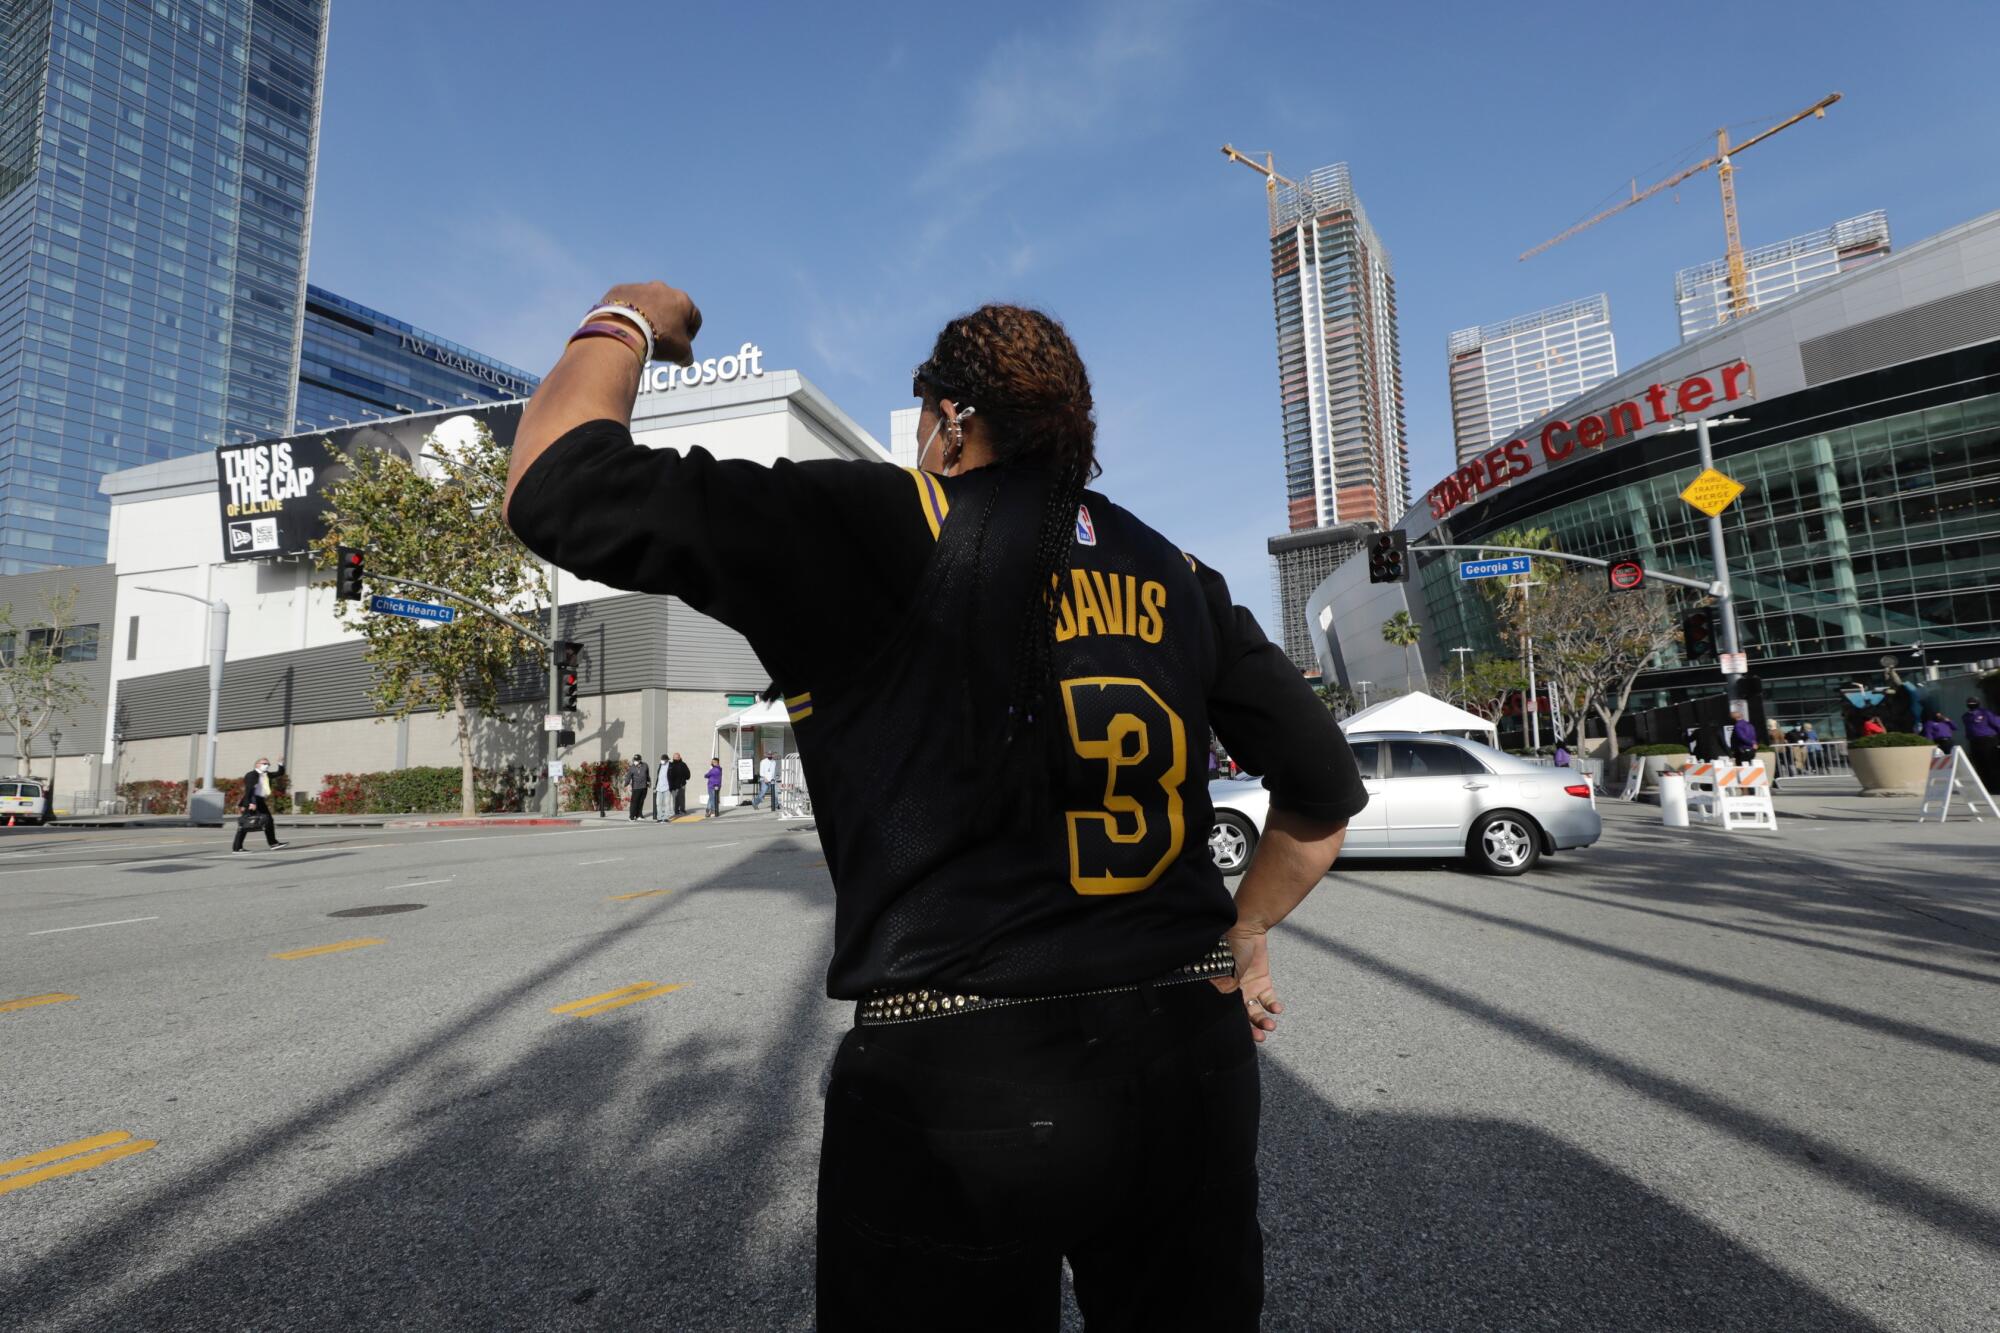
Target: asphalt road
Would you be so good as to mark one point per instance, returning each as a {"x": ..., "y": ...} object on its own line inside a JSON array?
[{"x": 1679, "y": 1081}]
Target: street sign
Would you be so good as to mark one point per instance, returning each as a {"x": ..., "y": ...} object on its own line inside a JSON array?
[
  {"x": 413, "y": 610},
  {"x": 1734, "y": 664},
  {"x": 555, "y": 769},
  {"x": 552, "y": 722},
  {"x": 1496, "y": 568},
  {"x": 1625, "y": 575},
  {"x": 1712, "y": 492}
]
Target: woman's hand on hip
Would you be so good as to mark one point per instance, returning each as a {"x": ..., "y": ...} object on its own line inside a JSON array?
[{"x": 1261, "y": 1005}]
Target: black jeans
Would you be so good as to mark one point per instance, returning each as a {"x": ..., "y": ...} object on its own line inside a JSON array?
[
  {"x": 638, "y": 802},
  {"x": 680, "y": 800},
  {"x": 270, "y": 827},
  {"x": 964, "y": 1158}
]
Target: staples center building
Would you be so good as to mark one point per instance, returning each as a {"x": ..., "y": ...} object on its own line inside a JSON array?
[{"x": 1870, "y": 519}]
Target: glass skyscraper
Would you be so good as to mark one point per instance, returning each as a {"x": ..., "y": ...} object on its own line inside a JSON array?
[
  {"x": 357, "y": 363},
  {"x": 156, "y": 181},
  {"x": 1507, "y": 374}
]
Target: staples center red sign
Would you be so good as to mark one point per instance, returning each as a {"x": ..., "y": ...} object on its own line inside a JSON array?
[{"x": 1559, "y": 440}]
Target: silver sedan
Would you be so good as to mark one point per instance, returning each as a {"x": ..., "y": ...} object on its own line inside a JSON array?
[{"x": 1430, "y": 796}]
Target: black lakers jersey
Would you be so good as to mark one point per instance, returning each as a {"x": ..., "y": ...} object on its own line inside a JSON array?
[
  {"x": 1098, "y": 873},
  {"x": 887, "y": 604}
]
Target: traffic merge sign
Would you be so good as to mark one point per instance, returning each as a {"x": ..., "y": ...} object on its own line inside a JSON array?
[
  {"x": 1626, "y": 574},
  {"x": 1712, "y": 492}
]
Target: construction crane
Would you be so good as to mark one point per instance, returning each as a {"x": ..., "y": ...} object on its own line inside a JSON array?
[
  {"x": 1725, "y": 172},
  {"x": 1270, "y": 173}
]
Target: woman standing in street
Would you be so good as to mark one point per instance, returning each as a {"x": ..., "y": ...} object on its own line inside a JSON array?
[
  {"x": 1000, "y": 681},
  {"x": 714, "y": 786}
]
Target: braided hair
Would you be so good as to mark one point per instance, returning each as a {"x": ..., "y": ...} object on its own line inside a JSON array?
[{"x": 1022, "y": 372}]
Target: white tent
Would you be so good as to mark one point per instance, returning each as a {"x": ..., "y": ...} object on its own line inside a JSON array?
[
  {"x": 729, "y": 740},
  {"x": 1420, "y": 712}
]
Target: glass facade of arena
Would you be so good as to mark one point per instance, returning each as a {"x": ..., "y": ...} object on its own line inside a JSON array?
[
  {"x": 1870, "y": 524},
  {"x": 156, "y": 176},
  {"x": 358, "y": 363}
]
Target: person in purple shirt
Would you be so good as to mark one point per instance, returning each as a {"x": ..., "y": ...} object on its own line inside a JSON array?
[
  {"x": 1982, "y": 741},
  {"x": 714, "y": 776},
  {"x": 1938, "y": 730},
  {"x": 1742, "y": 740}
]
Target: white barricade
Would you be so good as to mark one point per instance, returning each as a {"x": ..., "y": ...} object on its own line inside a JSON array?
[
  {"x": 1744, "y": 795},
  {"x": 1634, "y": 775},
  {"x": 1673, "y": 799},
  {"x": 1953, "y": 777},
  {"x": 1701, "y": 799}
]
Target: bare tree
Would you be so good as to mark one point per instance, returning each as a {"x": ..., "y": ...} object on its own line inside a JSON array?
[
  {"x": 35, "y": 690},
  {"x": 1591, "y": 645}
]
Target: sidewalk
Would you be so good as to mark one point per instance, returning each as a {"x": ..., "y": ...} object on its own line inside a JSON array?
[{"x": 403, "y": 821}]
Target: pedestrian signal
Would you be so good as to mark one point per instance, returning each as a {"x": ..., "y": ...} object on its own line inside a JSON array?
[
  {"x": 348, "y": 571},
  {"x": 1389, "y": 558},
  {"x": 1698, "y": 635}
]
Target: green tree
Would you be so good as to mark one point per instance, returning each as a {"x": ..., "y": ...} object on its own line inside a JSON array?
[
  {"x": 450, "y": 531},
  {"x": 35, "y": 689},
  {"x": 1339, "y": 700},
  {"x": 1403, "y": 632},
  {"x": 1591, "y": 644}
]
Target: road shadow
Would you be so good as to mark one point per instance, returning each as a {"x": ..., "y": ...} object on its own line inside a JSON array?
[
  {"x": 595, "y": 1182},
  {"x": 1389, "y": 1220}
]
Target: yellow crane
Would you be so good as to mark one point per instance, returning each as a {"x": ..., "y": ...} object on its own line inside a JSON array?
[
  {"x": 1725, "y": 172},
  {"x": 1270, "y": 174}
]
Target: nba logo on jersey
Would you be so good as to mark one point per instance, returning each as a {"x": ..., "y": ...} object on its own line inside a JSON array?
[{"x": 1086, "y": 535}]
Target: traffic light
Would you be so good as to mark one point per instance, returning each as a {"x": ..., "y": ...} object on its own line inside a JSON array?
[
  {"x": 1625, "y": 574},
  {"x": 1698, "y": 634},
  {"x": 563, "y": 654},
  {"x": 1389, "y": 558},
  {"x": 347, "y": 573}
]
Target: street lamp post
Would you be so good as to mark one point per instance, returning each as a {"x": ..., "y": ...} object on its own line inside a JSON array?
[
  {"x": 205, "y": 804},
  {"x": 1461, "y": 667},
  {"x": 1719, "y": 554},
  {"x": 1534, "y": 697},
  {"x": 1362, "y": 687}
]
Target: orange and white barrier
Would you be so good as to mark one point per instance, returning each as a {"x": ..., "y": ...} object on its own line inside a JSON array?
[
  {"x": 1744, "y": 795},
  {"x": 1953, "y": 778}
]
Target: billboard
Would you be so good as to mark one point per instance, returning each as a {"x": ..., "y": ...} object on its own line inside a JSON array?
[{"x": 273, "y": 492}]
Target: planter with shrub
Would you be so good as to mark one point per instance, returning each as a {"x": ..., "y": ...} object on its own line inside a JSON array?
[
  {"x": 1895, "y": 763},
  {"x": 1656, "y": 756}
]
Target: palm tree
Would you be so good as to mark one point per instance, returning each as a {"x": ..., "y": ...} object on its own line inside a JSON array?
[{"x": 1404, "y": 632}]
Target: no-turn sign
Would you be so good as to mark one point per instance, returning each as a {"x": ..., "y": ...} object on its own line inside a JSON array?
[{"x": 1625, "y": 575}]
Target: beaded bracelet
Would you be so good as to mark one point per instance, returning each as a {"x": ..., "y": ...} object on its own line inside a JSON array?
[
  {"x": 606, "y": 329},
  {"x": 633, "y": 315}
]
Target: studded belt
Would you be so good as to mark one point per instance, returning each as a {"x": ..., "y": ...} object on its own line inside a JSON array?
[{"x": 913, "y": 1006}]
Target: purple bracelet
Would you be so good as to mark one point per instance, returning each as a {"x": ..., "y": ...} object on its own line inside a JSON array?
[{"x": 609, "y": 330}]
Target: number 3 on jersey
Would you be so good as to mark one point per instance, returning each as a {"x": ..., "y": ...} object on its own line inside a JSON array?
[{"x": 1129, "y": 842}]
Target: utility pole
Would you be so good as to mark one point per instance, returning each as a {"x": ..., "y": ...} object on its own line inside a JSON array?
[
  {"x": 1362, "y": 686},
  {"x": 550, "y": 798},
  {"x": 205, "y": 804}
]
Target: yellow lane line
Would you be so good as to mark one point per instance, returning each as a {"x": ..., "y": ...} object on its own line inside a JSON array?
[
  {"x": 94, "y": 1152},
  {"x": 34, "y": 1001},
  {"x": 685, "y": 819},
  {"x": 613, "y": 999},
  {"x": 628, "y": 897},
  {"x": 317, "y": 950}
]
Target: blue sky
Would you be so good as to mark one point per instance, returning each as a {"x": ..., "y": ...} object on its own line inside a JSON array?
[{"x": 834, "y": 181}]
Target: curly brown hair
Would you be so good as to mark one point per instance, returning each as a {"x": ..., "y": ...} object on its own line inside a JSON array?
[{"x": 1018, "y": 367}]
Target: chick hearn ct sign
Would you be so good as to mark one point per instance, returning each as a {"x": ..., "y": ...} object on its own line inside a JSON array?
[{"x": 1617, "y": 423}]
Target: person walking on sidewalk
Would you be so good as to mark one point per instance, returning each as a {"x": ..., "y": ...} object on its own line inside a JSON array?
[
  {"x": 999, "y": 679},
  {"x": 1939, "y": 731},
  {"x": 257, "y": 794},
  {"x": 714, "y": 776},
  {"x": 678, "y": 775},
  {"x": 637, "y": 779},
  {"x": 767, "y": 781},
  {"x": 1982, "y": 743}
]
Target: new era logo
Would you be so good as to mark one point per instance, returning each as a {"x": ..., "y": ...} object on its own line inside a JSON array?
[
  {"x": 1086, "y": 533},
  {"x": 239, "y": 536}
]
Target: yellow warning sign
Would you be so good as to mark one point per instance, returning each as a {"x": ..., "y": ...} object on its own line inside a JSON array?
[{"x": 1712, "y": 492}]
